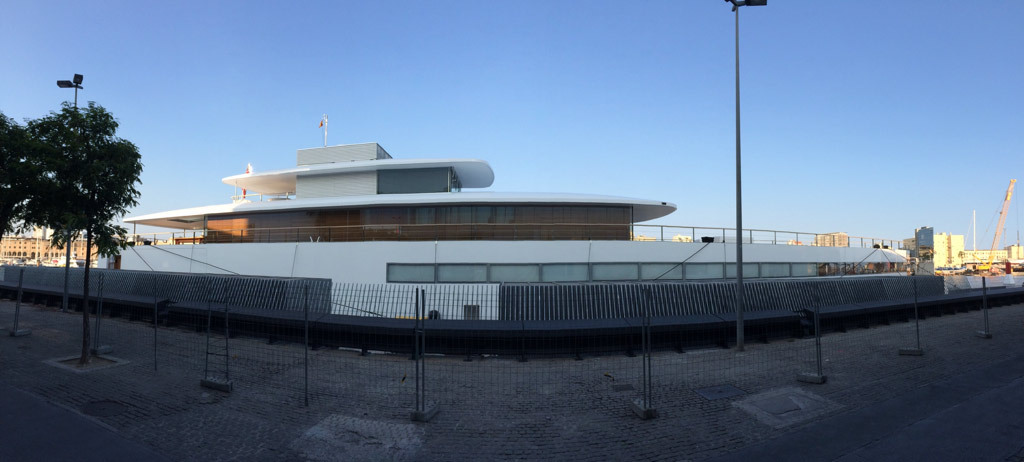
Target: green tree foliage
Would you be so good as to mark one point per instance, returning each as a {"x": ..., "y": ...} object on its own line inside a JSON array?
[
  {"x": 19, "y": 170},
  {"x": 93, "y": 176}
]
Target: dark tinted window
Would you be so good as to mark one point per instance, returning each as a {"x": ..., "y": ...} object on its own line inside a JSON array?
[{"x": 423, "y": 180}]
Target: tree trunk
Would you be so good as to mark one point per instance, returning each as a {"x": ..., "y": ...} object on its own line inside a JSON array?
[{"x": 85, "y": 297}]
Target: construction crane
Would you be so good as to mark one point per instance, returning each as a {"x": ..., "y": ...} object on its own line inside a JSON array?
[{"x": 999, "y": 228}]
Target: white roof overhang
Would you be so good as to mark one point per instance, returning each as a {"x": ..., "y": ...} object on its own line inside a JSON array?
[
  {"x": 192, "y": 218},
  {"x": 473, "y": 173}
]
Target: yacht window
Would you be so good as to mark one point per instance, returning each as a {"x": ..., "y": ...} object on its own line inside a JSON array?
[
  {"x": 515, "y": 273},
  {"x": 411, "y": 181},
  {"x": 661, "y": 271},
  {"x": 749, "y": 270},
  {"x": 704, "y": 270},
  {"x": 410, "y": 273},
  {"x": 615, "y": 272},
  {"x": 461, "y": 273},
  {"x": 804, "y": 269},
  {"x": 564, "y": 272},
  {"x": 774, "y": 270}
]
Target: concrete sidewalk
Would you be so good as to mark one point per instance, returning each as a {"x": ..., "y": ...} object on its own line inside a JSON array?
[
  {"x": 32, "y": 429},
  {"x": 978, "y": 415}
]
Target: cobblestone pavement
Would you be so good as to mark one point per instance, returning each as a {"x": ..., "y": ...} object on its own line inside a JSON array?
[{"x": 489, "y": 407}]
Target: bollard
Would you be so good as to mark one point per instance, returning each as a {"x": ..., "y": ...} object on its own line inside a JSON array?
[
  {"x": 15, "y": 331},
  {"x": 917, "y": 329},
  {"x": 97, "y": 347},
  {"x": 817, "y": 377},
  {"x": 986, "y": 334}
]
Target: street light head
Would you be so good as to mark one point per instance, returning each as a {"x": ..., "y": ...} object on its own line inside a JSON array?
[
  {"x": 78, "y": 77},
  {"x": 749, "y": 3},
  {"x": 65, "y": 84}
]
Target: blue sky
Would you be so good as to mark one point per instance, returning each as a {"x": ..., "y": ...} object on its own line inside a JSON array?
[{"x": 870, "y": 117}]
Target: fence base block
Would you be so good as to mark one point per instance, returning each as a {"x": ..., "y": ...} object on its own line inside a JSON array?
[
  {"x": 102, "y": 350},
  {"x": 911, "y": 352},
  {"x": 812, "y": 378},
  {"x": 645, "y": 413},
  {"x": 983, "y": 334},
  {"x": 20, "y": 332},
  {"x": 217, "y": 385},
  {"x": 423, "y": 416}
]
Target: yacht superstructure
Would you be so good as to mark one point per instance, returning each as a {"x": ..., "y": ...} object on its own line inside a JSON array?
[{"x": 352, "y": 213}]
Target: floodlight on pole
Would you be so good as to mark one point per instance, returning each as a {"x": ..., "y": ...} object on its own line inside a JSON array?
[
  {"x": 736, "y": 4},
  {"x": 77, "y": 85}
]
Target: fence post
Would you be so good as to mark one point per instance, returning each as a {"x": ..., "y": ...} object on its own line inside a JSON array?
[
  {"x": 917, "y": 328},
  {"x": 305, "y": 325},
  {"x": 422, "y": 412},
  {"x": 643, "y": 406},
  {"x": 156, "y": 317},
  {"x": 218, "y": 383},
  {"x": 984, "y": 309},
  {"x": 817, "y": 377},
  {"x": 98, "y": 348},
  {"x": 15, "y": 331}
]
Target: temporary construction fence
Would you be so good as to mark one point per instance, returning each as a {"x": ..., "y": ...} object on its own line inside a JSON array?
[{"x": 410, "y": 350}]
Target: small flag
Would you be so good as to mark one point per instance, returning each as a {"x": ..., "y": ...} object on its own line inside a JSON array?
[
  {"x": 321, "y": 124},
  {"x": 248, "y": 170}
]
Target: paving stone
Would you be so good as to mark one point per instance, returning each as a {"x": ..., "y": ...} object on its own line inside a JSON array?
[{"x": 491, "y": 408}]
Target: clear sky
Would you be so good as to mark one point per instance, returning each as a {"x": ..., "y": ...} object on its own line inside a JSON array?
[{"x": 870, "y": 117}]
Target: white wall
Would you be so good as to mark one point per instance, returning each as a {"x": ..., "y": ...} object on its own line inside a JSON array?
[{"x": 366, "y": 262}]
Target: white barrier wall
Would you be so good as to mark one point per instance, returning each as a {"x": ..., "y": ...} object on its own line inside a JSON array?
[{"x": 366, "y": 262}]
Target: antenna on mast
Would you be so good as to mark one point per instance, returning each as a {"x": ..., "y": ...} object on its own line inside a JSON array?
[{"x": 323, "y": 124}]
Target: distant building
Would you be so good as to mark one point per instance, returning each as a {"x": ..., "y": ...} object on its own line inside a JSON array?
[
  {"x": 933, "y": 251},
  {"x": 32, "y": 248},
  {"x": 948, "y": 250},
  {"x": 832, "y": 240},
  {"x": 1015, "y": 252}
]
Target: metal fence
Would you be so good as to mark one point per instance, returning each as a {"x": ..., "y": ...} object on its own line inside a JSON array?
[{"x": 407, "y": 351}]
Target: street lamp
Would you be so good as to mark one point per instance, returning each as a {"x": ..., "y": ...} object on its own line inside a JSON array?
[
  {"x": 75, "y": 83},
  {"x": 736, "y": 4}
]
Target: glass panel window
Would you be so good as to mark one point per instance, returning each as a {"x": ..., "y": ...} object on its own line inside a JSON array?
[
  {"x": 419, "y": 180},
  {"x": 410, "y": 273},
  {"x": 661, "y": 271},
  {"x": 704, "y": 270},
  {"x": 804, "y": 269},
  {"x": 461, "y": 273},
  {"x": 749, "y": 270},
  {"x": 515, "y": 273},
  {"x": 615, "y": 272},
  {"x": 774, "y": 270},
  {"x": 564, "y": 272}
]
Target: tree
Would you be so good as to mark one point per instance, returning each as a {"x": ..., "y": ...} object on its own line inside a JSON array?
[
  {"x": 19, "y": 169},
  {"x": 93, "y": 175}
]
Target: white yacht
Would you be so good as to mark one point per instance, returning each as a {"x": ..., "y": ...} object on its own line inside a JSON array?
[{"x": 354, "y": 214}]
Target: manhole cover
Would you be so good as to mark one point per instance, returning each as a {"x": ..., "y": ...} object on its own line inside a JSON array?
[
  {"x": 719, "y": 392},
  {"x": 786, "y": 406},
  {"x": 104, "y": 408},
  {"x": 778, "y": 405}
]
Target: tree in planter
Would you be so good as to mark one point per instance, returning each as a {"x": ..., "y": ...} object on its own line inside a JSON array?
[
  {"x": 19, "y": 169},
  {"x": 93, "y": 174}
]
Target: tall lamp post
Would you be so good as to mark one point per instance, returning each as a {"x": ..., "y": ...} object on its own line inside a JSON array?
[
  {"x": 75, "y": 83},
  {"x": 736, "y": 4}
]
